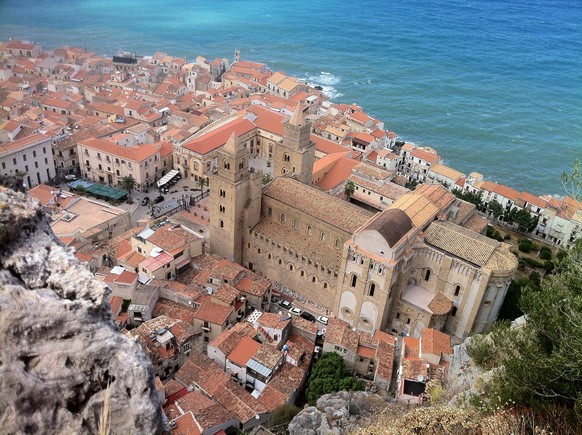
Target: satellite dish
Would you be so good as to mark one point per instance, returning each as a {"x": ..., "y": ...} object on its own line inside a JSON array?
[{"x": 420, "y": 378}]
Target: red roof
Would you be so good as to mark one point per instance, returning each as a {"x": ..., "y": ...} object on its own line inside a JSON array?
[
  {"x": 217, "y": 138},
  {"x": 244, "y": 351}
]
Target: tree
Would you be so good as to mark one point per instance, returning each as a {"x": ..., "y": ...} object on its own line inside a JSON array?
[
  {"x": 572, "y": 181},
  {"x": 128, "y": 183},
  {"x": 543, "y": 363},
  {"x": 329, "y": 376},
  {"x": 349, "y": 189},
  {"x": 201, "y": 182},
  {"x": 473, "y": 198},
  {"x": 267, "y": 178},
  {"x": 496, "y": 209}
]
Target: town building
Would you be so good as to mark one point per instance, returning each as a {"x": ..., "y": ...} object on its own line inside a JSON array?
[{"x": 28, "y": 157}]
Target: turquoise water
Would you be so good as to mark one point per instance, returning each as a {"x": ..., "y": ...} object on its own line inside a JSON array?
[{"x": 494, "y": 86}]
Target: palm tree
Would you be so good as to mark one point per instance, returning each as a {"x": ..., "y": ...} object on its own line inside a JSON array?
[
  {"x": 202, "y": 183},
  {"x": 128, "y": 183},
  {"x": 349, "y": 189}
]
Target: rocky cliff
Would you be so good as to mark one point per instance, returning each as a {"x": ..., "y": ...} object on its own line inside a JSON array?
[{"x": 62, "y": 362}]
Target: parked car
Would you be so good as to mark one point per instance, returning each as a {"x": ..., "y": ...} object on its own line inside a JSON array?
[
  {"x": 295, "y": 311},
  {"x": 70, "y": 177},
  {"x": 159, "y": 199},
  {"x": 145, "y": 201},
  {"x": 285, "y": 304},
  {"x": 308, "y": 316},
  {"x": 323, "y": 319}
]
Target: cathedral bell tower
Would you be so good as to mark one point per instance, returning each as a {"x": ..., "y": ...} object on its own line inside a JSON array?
[
  {"x": 228, "y": 197},
  {"x": 296, "y": 153}
]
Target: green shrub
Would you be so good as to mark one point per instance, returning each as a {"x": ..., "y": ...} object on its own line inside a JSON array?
[
  {"x": 533, "y": 263},
  {"x": 525, "y": 245},
  {"x": 481, "y": 349},
  {"x": 549, "y": 266},
  {"x": 545, "y": 253},
  {"x": 521, "y": 264}
]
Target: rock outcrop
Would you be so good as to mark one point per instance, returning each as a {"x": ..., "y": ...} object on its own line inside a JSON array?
[
  {"x": 338, "y": 413},
  {"x": 62, "y": 362}
]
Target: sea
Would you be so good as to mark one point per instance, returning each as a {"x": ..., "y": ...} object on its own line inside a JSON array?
[{"x": 495, "y": 86}]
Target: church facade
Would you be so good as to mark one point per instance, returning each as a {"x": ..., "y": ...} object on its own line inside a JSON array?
[{"x": 409, "y": 267}]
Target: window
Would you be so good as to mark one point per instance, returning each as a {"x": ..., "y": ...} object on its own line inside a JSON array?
[
  {"x": 336, "y": 243},
  {"x": 221, "y": 223},
  {"x": 43, "y": 150},
  {"x": 371, "y": 289},
  {"x": 457, "y": 290},
  {"x": 3, "y": 165},
  {"x": 222, "y": 193},
  {"x": 322, "y": 237},
  {"x": 46, "y": 161},
  {"x": 295, "y": 224},
  {"x": 282, "y": 217},
  {"x": 222, "y": 208},
  {"x": 14, "y": 160},
  {"x": 270, "y": 211},
  {"x": 408, "y": 321},
  {"x": 427, "y": 275},
  {"x": 34, "y": 153},
  {"x": 36, "y": 164},
  {"x": 302, "y": 273},
  {"x": 286, "y": 157},
  {"x": 312, "y": 279},
  {"x": 454, "y": 312},
  {"x": 354, "y": 281},
  {"x": 308, "y": 230}
]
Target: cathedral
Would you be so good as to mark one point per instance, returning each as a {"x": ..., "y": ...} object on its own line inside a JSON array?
[{"x": 414, "y": 265}]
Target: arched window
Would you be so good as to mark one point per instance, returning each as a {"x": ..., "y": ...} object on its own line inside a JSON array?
[
  {"x": 354, "y": 281},
  {"x": 322, "y": 237},
  {"x": 312, "y": 279},
  {"x": 295, "y": 224},
  {"x": 286, "y": 157},
  {"x": 457, "y": 290},
  {"x": 221, "y": 223},
  {"x": 222, "y": 193},
  {"x": 282, "y": 218},
  {"x": 371, "y": 289},
  {"x": 226, "y": 165},
  {"x": 258, "y": 250},
  {"x": 302, "y": 273},
  {"x": 427, "y": 275},
  {"x": 325, "y": 285},
  {"x": 270, "y": 256},
  {"x": 291, "y": 267},
  {"x": 270, "y": 211},
  {"x": 241, "y": 164},
  {"x": 308, "y": 230},
  {"x": 222, "y": 208},
  {"x": 336, "y": 243},
  {"x": 280, "y": 261}
]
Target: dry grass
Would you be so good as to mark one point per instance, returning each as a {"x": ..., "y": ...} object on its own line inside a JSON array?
[{"x": 104, "y": 419}]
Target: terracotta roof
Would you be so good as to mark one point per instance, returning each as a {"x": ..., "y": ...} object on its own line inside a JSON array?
[
  {"x": 420, "y": 210},
  {"x": 186, "y": 425},
  {"x": 435, "y": 342},
  {"x": 327, "y": 146},
  {"x": 239, "y": 402},
  {"x": 136, "y": 153},
  {"x": 440, "y": 304},
  {"x": 340, "y": 333},
  {"x": 213, "y": 313},
  {"x": 200, "y": 370},
  {"x": 500, "y": 189},
  {"x": 317, "y": 204},
  {"x": 214, "y": 139},
  {"x": 366, "y": 352},
  {"x": 425, "y": 155},
  {"x": 460, "y": 242},
  {"x": 267, "y": 119},
  {"x": 338, "y": 173},
  {"x": 228, "y": 339},
  {"x": 437, "y": 194},
  {"x": 244, "y": 351}
]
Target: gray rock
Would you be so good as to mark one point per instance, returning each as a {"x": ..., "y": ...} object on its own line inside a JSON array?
[{"x": 61, "y": 357}]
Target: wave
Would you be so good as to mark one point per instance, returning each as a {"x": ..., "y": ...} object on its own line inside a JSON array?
[{"x": 325, "y": 81}]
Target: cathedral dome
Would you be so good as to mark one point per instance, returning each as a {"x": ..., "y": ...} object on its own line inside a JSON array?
[{"x": 392, "y": 224}]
